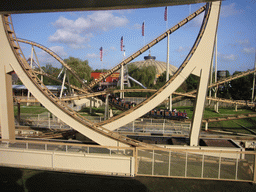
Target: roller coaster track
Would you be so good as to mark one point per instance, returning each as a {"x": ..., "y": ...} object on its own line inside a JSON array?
[
  {"x": 228, "y": 118},
  {"x": 96, "y": 132},
  {"x": 55, "y": 56},
  {"x": 58, "y": 58},
  {"x": 26, "y": 74},
  {"x": 231, "y": 78},
  {"x": 148, "y": 46},
  {"x": 218, "y": 99},
  {"x": 178, "y": 74},
  {"x": 88, "y": 95},
  {"x": 189, "y": 94},
  {"x": 57, "y": 80}
]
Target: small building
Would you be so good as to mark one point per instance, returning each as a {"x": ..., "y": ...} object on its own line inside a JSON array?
[
  {"x": 109, "y": 81},
  {"x": 21, "y": 90}
]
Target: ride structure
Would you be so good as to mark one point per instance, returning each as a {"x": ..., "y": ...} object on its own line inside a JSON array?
[{"x": 13, "y": 59}]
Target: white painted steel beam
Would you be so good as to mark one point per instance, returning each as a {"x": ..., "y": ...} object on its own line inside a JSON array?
[{"x": 200, "y": 63}]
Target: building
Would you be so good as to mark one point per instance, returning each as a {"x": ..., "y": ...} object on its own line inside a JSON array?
[
  {"x": 109, "y": 81},
  {"x": 159, "y": 65}
]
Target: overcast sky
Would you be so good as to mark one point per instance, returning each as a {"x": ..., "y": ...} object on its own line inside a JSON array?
[{"x": 81, "y": 34}]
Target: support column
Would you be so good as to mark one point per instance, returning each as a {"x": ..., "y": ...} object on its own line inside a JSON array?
[
  {"x": 90, "y": 105},
  {"x": 206, "y": 126},
  {"x": 199, "y": 106},
  {"x": 122, "y": 82},
  {"x": 6, "y": 108},
  {"x": 106, "y": 108},
  {"x": 18, "y": 115}
]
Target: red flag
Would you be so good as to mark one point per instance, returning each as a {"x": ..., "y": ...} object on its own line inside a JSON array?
[
  {"x": 143, "y": 26},
  {"x": 122, "y": 41},
  {"x": 101, "y": 53},
  {"x": 165, "y": 14}
]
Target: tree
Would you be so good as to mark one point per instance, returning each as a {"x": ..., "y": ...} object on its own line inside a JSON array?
[
  {"x": 54, "y": 71},
  {"x": 240, "y": 89},
  {"x": 192, "y": 82},
  {"x": 145, "y": 75},
  {"x": 82, "y": 69},
  {"x": 161, "y": 80}
]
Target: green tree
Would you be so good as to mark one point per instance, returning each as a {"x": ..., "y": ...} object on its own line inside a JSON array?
[
  {"x": 240, "y": 89},
  {"x": 161, "y": 80},
  {"x": 224, "y": 89},
  {"x": 82, "y": 69},
  {"x": 192, "y": 82},
  {"x": 54, "y": 71},
  {"x": 145, "y": 75}
]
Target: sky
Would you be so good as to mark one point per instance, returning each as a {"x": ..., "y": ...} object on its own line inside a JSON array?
[{"x": 80, "y": 34}]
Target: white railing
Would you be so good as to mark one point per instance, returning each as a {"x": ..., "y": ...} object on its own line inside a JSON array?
[{"x": 198, "y": 164}]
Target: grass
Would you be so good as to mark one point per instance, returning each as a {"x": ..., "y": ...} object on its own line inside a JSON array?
[
  {"x": 232, "y": 126},
  {"x": 30, "y": 109}
]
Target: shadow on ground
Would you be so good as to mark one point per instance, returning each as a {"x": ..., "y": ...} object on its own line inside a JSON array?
[{"x": 13, "y": 179}]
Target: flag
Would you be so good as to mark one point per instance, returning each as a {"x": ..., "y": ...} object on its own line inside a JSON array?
[
  {"x": 143, "y": 26},
  {"x": 101, "y": 53},
  {"x": 165, "y": 14},
  {"x": 122, "y": 41}
]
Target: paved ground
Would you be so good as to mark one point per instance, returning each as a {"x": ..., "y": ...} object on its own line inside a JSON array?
[{"x": 13, "y": 179}]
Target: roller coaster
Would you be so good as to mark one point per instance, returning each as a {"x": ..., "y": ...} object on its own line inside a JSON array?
[{"x": 102, "y": 132}]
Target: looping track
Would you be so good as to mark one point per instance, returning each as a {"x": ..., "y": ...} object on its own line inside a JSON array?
[{"x": 98, "y": 133}]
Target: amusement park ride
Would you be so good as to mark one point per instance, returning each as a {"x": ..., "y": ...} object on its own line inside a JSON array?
[{"x": 197, "y": 62}]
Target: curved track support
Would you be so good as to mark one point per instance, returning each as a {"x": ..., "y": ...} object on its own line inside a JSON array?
[
  {"x": 11, "y": 55},
  {"x": 198, "y": 61}
]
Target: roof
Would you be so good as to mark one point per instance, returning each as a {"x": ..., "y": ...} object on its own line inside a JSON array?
[
  {"x": 50, "y": 87},
  {"x": 27, "y": 6},
  {"x": 160, "y": 65}
]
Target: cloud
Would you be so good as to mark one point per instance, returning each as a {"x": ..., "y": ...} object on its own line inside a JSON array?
[
  {"x": 76, "y": 33},
  {"x": 92, "y": 56},
  {"x": 59, "y": 50},
  {"x": 137, "y": 26},
  {"x": 230, "y": 10},
  {"x": 45, "y": 58},
  {"x": 182, "y": 49},
  {"x": 248, "y": 50},
  {"x": 244, "y": 42},
  {"x": 197, "y": 22},
  {"x": 227, "y": 57}
]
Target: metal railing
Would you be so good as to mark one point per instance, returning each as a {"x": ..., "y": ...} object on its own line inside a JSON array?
[
  {"x": 67, "y": 148},
  {"x": 198, "y": 164},
  {"x": 176, "y": 163}
]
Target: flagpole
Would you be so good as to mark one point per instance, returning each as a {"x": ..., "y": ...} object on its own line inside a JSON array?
[
  {"x": 253, "y": 85},
  {"x": 167, "y": 59},
  {"x": 122, "y": 72}
]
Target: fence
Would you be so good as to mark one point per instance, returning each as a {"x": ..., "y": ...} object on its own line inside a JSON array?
[
  {"x": 68, "y": 157},
  {"x": 44, "y": 120},
  {"x": 161, "y": 126},
  {"x": 155, "y": 126},
  {"x": 157, "y": 162},
  {"x": 198, "y": 164}
]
